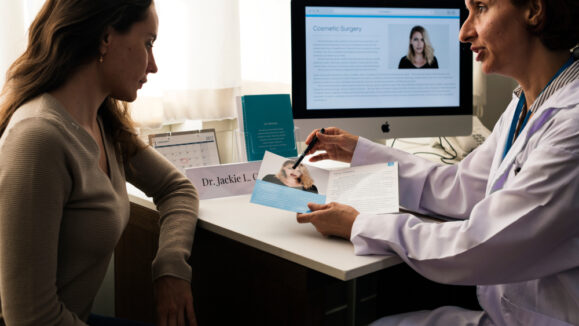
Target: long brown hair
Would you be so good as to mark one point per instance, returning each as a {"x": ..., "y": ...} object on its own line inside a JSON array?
[{"x": 65, "y": 35}]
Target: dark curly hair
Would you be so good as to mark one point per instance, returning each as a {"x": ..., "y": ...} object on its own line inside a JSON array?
[{"x": 558, "y": 30}]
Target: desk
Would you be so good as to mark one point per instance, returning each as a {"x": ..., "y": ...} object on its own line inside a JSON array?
[
  {"x": 291, "y": 259},
  {"x": 276, "y": 232},
  {"x": 256, "y": 265}
]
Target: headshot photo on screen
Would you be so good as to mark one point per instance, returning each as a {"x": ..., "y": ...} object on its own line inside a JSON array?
[
  {"x": 420, "y": 51},
  {"x": 298, "y": 178},
  {"x": 401, "y": 45}
]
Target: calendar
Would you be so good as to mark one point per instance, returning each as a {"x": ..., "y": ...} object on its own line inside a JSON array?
[{"x": 188, "y": 149}]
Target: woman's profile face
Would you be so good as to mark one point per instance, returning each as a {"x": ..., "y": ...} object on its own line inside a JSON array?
[
  {"x": 417, "y": 42},
  {"x": 129, "y": 58},
  {"x": 498, "y": 35},
  {"x": 291, "y": 173}
]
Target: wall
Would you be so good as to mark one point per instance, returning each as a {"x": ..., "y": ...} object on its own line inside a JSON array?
[
  {"x": 491, "y": 95},
  {"x": 499, "y": 91}
]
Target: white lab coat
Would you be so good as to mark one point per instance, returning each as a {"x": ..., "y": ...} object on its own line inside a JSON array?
[{"x": 518, "y": 233}]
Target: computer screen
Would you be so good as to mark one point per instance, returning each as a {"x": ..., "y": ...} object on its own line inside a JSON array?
[{"x": 381, "y": 69}]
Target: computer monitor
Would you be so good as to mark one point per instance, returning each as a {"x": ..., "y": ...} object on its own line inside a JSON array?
[{"x": 349, "y": 68}]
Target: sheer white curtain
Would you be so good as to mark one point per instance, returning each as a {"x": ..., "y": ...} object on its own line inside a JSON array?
[
  {"x": 197, "y": 52},
  {"x": 15, "y": 16},
  {"x": 265, "y": 45},
  {"x": 207, "y": 52}
]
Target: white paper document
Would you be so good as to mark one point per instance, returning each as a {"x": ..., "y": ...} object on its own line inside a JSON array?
[{"x": 367, "y": 188}]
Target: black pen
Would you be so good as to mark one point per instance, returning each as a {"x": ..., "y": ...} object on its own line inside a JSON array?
[{"x": 312, "y": 143}]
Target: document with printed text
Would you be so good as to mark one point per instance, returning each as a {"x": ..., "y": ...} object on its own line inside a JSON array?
[{"x": 368, "y": 188}]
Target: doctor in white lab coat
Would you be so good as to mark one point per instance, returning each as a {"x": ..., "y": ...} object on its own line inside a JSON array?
[{"x": 516, "y": 196}]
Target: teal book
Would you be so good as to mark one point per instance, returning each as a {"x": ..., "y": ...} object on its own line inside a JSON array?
[{"x": 267, "y": 125}]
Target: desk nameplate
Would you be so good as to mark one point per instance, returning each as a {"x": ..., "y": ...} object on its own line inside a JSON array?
[{"x": 224, "y": 180}]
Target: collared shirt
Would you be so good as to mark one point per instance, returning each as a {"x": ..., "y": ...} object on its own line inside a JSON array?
[{"x": 568, "y": 75}]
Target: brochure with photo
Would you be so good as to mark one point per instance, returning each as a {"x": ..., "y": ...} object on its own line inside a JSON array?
[{"x": 368, "y": 188}]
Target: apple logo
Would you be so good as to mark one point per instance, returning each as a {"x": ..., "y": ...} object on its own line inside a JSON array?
[{"x": 385, "y": 127}]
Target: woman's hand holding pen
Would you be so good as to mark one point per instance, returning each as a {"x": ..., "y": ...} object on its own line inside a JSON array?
[
  {"x": 338, "y": 144},
  {"x": 330, "y": 219}
]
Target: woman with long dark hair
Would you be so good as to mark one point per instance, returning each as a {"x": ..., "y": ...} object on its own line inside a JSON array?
[{"x": 67, "y": 148}]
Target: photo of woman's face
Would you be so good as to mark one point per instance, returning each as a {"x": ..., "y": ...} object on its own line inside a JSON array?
[
  {"x": 291, "y": 173},
  {"x": 417, "y": 42}
]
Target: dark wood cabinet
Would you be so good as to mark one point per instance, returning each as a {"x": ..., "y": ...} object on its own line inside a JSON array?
[{"x": 235, "y": 284}]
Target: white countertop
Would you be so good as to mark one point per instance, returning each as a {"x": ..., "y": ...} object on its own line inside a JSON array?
[{"x": 277, "y": 232}]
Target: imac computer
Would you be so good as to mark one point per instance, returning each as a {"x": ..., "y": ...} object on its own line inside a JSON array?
[{"x": 351, "y": 68}]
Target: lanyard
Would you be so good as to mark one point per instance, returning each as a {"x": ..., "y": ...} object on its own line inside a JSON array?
[{"x": 520, "y": 106}]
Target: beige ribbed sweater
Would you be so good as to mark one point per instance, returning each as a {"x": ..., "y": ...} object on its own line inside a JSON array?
[{"x": 61, "y": 216}]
